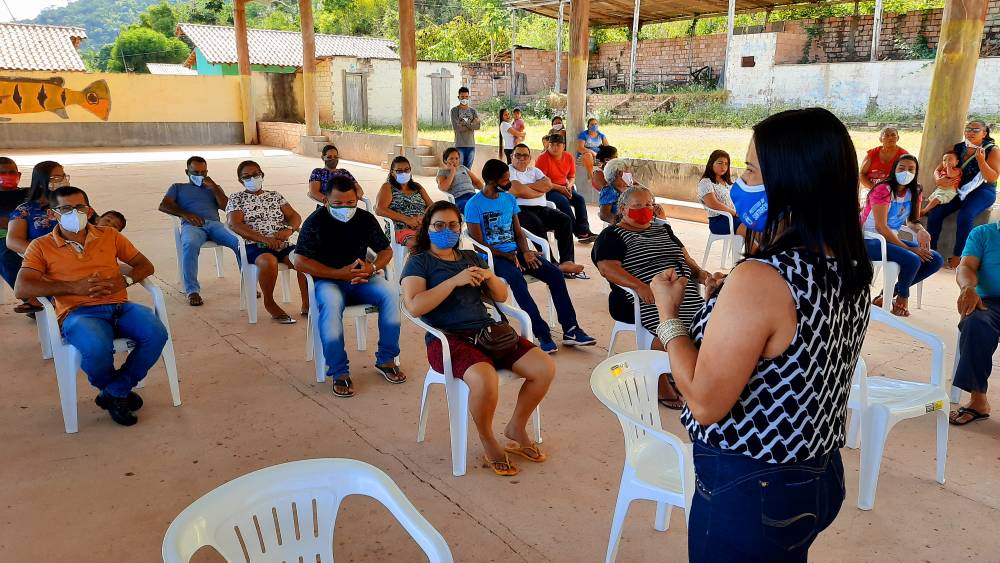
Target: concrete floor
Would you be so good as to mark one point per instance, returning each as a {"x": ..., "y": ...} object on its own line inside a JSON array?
[{"x": 108, "y": 493}]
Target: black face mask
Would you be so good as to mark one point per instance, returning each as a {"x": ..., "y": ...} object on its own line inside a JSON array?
[
  {"x": 504, "y": 188},
  {"x": 331, "y": 163}
]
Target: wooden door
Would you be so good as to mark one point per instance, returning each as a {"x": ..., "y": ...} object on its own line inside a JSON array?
[{"x": 354, "y": 98}]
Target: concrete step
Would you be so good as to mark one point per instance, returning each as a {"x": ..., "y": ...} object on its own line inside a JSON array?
[
  {"x": 420, "y": 150},
  {"x": 311, "y": 145},
  {"x": 428, "y": 161}
]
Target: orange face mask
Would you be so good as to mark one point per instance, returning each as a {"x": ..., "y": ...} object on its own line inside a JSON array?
[{"x": 9, "y": 181}]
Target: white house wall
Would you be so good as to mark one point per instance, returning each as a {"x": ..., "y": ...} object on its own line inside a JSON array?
[
  {"x": 845, "y": 87},
  {"x": 385, "y": 90}
]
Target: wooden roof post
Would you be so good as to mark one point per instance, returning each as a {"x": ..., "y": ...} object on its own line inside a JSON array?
[
  {"x": 576, "y": 107},
  {"x": 559, "y": 47},
  {"x": 730, "y": 22},
  {"x": 309, "y": 67},
  {"x": 243, "y": 59},
  {"x": 408, "y": 71},
  {"x": 513, "y": 48},
  {"x": 635, "y": 45},
  {"x": 876, "y": 30},
  {"x": 951, "y": 86}
]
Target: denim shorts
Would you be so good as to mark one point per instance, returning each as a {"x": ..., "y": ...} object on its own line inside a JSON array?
[{"x": 719, "y": 224}]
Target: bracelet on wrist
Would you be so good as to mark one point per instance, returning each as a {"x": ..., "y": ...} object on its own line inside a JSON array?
[{"x": 670, "y": 329}]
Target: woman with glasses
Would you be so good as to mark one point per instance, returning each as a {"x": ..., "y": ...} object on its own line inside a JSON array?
[
  {"x": 448, "y": 288},
  {"x": 31, "y": 219},
  {"x": 977, "y": 187},
  {"x": 630, "y": 253},
  {"x": 402, "y": 200},
  {"x": 265, "y": 221}
]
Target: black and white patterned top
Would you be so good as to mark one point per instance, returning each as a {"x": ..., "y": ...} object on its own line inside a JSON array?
[
  {"x": 261, "y": 211},
  {"x": 410, "y": 204},
  {"x": 794, "y": 406},
  {"x": 644, "y": 254}
]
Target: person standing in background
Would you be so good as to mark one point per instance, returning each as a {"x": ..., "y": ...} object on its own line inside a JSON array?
[{"x": 465, "y": 122}]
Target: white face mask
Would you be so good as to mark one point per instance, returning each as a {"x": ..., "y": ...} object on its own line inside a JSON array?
[
  {"x": 627, "y": 178},
  {"x": 904, "y": 177},
  {"x": 73, "y": 221},
  {"x": 254, "y": 184},
  {"x": 342, "y": 214},
  {"x": 557, "y": 127},
  {"x": 463, "y": 101}
]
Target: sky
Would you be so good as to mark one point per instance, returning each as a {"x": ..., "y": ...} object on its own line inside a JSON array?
[{"x": 26, "y": 9}]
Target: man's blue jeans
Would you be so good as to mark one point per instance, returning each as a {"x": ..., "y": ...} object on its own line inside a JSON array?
[
  {"x": 912, "y": 270},
  {"x": 92, "y": 330},
  {"x": 550, "y": 276},
  {"x": 979, "y": 335},
  {"x": 575, "y": 208},
  {"x": 468, "y": 155},
  {"x": 979, "y": 200},
  {"x": 191, "y": 240},
  {"x": 333, "y": 296},
  {"x": 751, "y": 511}
]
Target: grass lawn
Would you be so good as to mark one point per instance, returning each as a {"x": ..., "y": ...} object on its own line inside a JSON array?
[{"x": 679, "y": 144}]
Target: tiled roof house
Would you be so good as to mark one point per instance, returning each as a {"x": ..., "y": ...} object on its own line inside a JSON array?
[{"x": 25, "y": 46}]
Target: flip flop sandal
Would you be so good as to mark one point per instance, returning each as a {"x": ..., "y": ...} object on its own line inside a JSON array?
[
  {"x": 878, "y": 301},
  {"x": 576, "y": 276},
  {"x": 343, "y": 382},
  {"x": 392, "y": 374},
  {"x": 672, "y": 404},
  {"x": 962, "y": 411},
  {"x": 284, "y": 320},
  {"x": 26, "y": 307},
  {"x": 195, "y": 300},
  {"x": 502, "y": 468},
  {"x": 530, "y": 453}
]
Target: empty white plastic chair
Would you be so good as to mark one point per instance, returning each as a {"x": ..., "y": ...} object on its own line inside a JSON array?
[
  {"x": 732, "y": 245},
  {"x": 457, "y": 391},
  {"x": 67, "y": 357},
  {"x": 219, "y": 251},
  {"x": 643, "y": 338},
  {"x": 890, "y": 271},
  {"x": 658, "y": 464},
  {"x": 878, "y": 403},
  {"x": 248, "y": 281},
  {"x": 287, "y": 513}
]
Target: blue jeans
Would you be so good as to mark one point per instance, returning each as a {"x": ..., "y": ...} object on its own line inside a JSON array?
[
  {"x": 461, "y": 200},
  {"x": 191, "y": 240},
  {"x": 332, "y": 296},
  {"x": 979, "y": 200},
  {"x": 92, "y": 330},
  {"x": 575, "y": 208},
  {"x": 977, "y": 341},
  {"x": 912, "y": 270},
  {"x": 10, "y": 263},
  {"x": 550, "y": 276},
  {"x": 468, "y": 155},
  {"x": 751, "y": 511}
]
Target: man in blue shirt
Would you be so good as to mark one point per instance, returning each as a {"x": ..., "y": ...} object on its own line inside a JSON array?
[
  {"x": 979, "y": 305},
  {"x": 491, "y": 216},
  {"x": 197, "y": 202}
]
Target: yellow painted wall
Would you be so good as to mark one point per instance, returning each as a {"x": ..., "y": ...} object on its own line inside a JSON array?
[{"x": 137, "y": 98}]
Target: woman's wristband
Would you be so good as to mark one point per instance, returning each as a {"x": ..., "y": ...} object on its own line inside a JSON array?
[{"x": 670, "y": 329}]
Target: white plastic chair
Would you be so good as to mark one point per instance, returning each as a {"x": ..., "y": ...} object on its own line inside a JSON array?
[
  {"x": 731, "y": 245},
  {"x": 399, "y": 251},
  {"x": 457, "y": 391},
  {"x": 878, "y": 403},
  {"x": 67, "y": 357},
  {"x": 643, "y": 338},
  {"x": 543, "y": 246},
  {"x": 890, "y": 271},
  {"x": 288, "y": 513},
  {"x": 219, "y": 251},
  {"x": 658, "y": 465},
  {"x": 249, "y": 277},
  {"x": 3, "y": 292}
]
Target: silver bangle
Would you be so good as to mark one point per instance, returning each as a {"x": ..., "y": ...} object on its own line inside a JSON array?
[{"x": 670, "y": 329}]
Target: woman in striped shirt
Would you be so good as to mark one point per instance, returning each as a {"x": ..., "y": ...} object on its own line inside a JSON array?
[{"x": 631, "y": 253}]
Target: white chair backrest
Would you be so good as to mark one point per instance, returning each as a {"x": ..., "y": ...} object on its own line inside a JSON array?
[
  {"x": 879, "y": 315},
  {"x": 627, "y": 384},
  {"x": 288, "y": 511}
]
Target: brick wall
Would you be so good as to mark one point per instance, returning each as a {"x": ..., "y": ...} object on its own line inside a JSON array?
[
  {"x": 486, "y": 80},
  {"x": 660, "y": 60},
  {"x": 537, "y": 66},
  {"x": 282, "y": 135},
  {"x": 324, "y": 90}
]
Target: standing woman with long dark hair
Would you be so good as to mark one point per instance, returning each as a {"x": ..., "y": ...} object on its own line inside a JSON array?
[
  {"x": 891, "y": 205},
  {"x": 766, "y": 369}
]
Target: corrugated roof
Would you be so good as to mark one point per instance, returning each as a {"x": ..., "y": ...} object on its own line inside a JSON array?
[
  {"x": 165, "y": 68},
  {"x": 619, "y": 12},
  {"x": 284, "y": 48},
  {"x": 25, "y": 46}
]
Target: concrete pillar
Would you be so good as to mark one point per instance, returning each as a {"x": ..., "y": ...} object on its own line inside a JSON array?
[
  {"x": 635, "y": 46},
  {"x": 246, "y": 85},
  {"x": 408, "y": 71},
  {"x": 576, "y": 107},
  {"x": 951, "y": 90},
  {"x": 730, "y": 22},
  {"x": 309, "y": 67},
  {"x": 559, "y": 47}
]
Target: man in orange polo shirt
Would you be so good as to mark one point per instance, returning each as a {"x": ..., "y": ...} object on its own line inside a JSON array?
[
  {"x": 77, "y": 265},
  {"x": 560, "y": 167}
]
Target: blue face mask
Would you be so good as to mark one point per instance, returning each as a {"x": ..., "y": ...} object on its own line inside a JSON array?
[
  {"x": 593, "y": 128},
  {"x": 196, "y": 180},
  {"x": 443, "y": 239},
  {"x": 750, "y": 203},
  {"x": 402, "y": 177}
]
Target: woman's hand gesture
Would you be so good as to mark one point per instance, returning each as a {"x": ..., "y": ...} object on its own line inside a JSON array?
[
  {"x": 470, "y": 276},
  {"x": 668, "y": 291}
]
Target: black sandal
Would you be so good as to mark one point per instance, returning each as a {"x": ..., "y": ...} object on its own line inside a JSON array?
[
  {"x": 344, "y": 383},
  {"x": 966, "y": 411},
  {"x": 392, "y": 374}
]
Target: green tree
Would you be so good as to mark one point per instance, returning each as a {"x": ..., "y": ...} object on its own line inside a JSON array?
[
  {"x": 211, "y": 12},
  {"x": 160, "y": 17},
  {"x": 140, "y": 45}
]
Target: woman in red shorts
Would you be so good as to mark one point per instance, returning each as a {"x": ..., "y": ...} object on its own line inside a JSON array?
[{"x": 445, "y": 287}]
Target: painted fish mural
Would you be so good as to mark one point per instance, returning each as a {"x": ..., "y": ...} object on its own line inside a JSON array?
[{"x": 34, "y": 95}]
